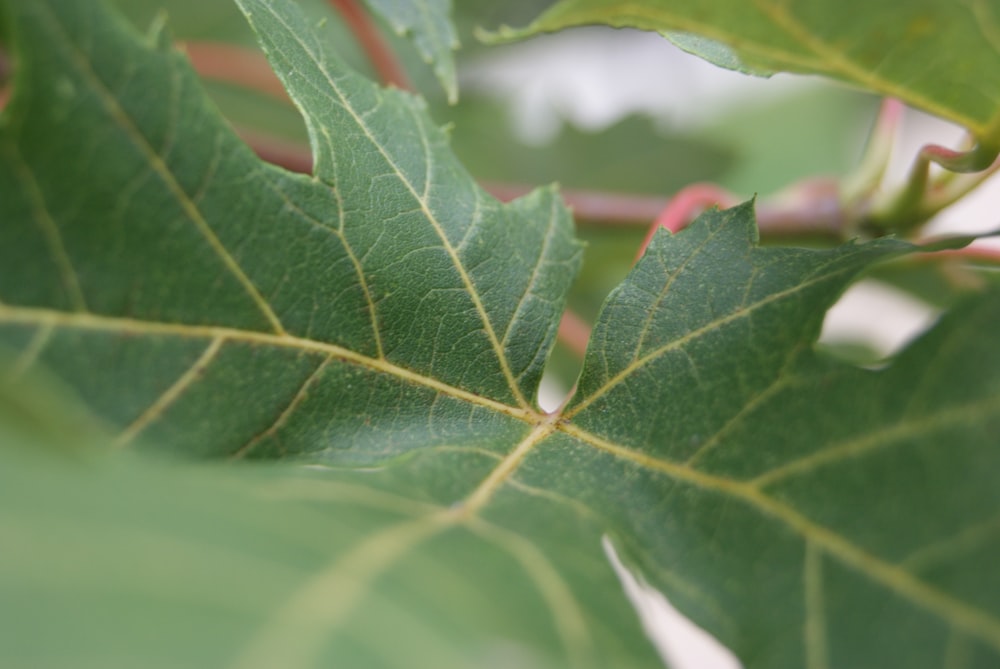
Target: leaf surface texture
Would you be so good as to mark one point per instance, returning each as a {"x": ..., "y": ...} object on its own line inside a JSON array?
[{"x": 386, "y": 323}]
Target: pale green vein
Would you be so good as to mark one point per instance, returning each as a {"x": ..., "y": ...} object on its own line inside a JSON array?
[
  {"x": 971, "y": 620},
  {"x": 815, "y": 623},
  {"x": 535, "y": 270},
  {"x": 418, "y": 452},
  {"x": 485, "y": 491},
  {"x": 94, "y": 322},
  {"x": 426, "y": 149},
  {"x": 864, "y": 75},
  {"x": 453, "y": 449},
  {"x": 124, "y": 121},
  {"x": 693, "y": 335},
  {"x": 40, "y": 212},
  {"x": 171, "y": 394},
  {"x": 311, "y": 614},
  {"x": 466, "y": 279},
  {"x": 957, "y": 651},
  {"x": 673, "y": 580},
  {"x": 654, "y": 309},
  {"x": 295, "y": 635},
  {"x": 173, "y": 113},
  {"x": 566, "y": 613},
  {"x": 283, "y": 417},
  {"x": 208, "y": 176},
  {"x": 29, "y": 356},
  {"x": 359, "y": 270},
  {"x": 953, "y": 547},
  {"x": 781, "y": 382},
  {"x": 576, "y": 505},
  {"x": 986, "y": 21},
  {"x": 937, "y": 371},
  {"x": 882, "y": 438}
]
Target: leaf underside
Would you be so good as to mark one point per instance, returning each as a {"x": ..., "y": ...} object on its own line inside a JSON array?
[
  {"x": 386, "y": 323},
  {"x": 938, "y": 55}
]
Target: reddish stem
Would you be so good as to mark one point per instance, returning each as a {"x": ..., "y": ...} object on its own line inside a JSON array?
[
  {"x": 890, "y": 114},
  {"x": 235, "y": 65},
  {"x": 983, "y": 254},
  {"x": 818, "y": 216},
  {"x": 574, "y": 332},
  {"x": 865, "y": 181},
  {"x": 595, "y": 206},
  {"x": 973, "y": 160},
  {"x": 379, "y": 54},
  {"x": 284, "y": 153},
  {"x": 4, "y": 74}
]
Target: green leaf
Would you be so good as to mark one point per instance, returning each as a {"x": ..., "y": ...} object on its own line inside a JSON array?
[
  {"x": 428, "y": 22},
  {"x": 938, "y": 55},
  {"x": 783, "y": 477},
  {"x": 386, "y": 323},
  {"x": 129, "y": 563}
]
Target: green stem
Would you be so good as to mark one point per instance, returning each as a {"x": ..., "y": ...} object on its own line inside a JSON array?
[
  {"x": 910, "y": 207},
  {"x": 865, "y": 181}
]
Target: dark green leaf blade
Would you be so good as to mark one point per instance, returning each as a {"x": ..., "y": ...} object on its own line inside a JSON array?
[
  {"x": 759, "y": 471},
  {"x": 201, "y": 302},
  {"x": 325, "y": 283},
  {"x": 433, "y": 204},
  {"x": 938, "y": 55}
]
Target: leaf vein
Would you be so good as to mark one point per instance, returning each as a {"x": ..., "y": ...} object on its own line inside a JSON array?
[
  {"x": 693, "y": 335},
  {"x": 817, "y": 654},
  {"x": 29, "y": 356},
  {"x": 283, "y": 417},
  {"x": 53, "y": 238},
  {"x": 356, "y": 262},
  {"x": 528, "y": 288},
  {"x": 424, "y": 206},
  {"x": 160, "y": 168},
  {"x": 974, "y": 621},
  {"x": 866, "y": 76},
  {"x": 171, "y": 394},
  {"x": 667, "y": 285},
  {"x": 959, "y": 543},
  {"x": 296, "y": 632},
  {"x": 781, "y": 382},
  {"x": 879, "y": 439},
  {"x": 32, "y": 315},
  {"x": 566, "y": 613}
]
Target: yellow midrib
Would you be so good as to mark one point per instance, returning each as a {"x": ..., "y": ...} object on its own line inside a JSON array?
[
  {"x": 639, "y": 362},
  {"x": 159, "y": 167},
  {"x": 421, "y": 200},
  {"x": 893, "y": 577},
  {"x": 973, "y": 621},
  {"x": 91, "y": 321}
]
